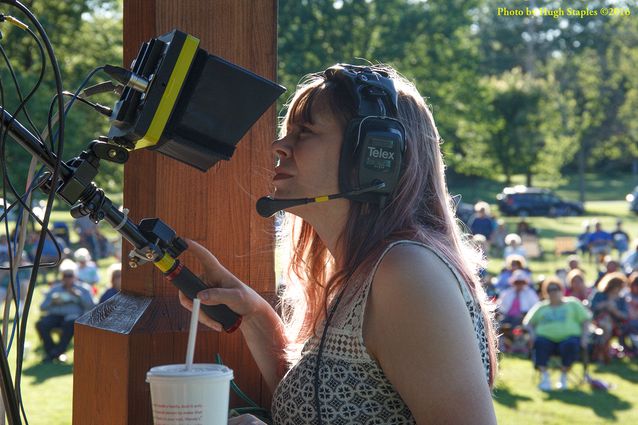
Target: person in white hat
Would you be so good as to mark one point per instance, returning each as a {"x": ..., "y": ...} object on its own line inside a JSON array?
[
  {"x": 515, "y": 301},
  {"x": 67, "y": 300},
  {"x": 86, "y": 269}
]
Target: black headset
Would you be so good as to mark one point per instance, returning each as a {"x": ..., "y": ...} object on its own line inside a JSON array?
[{"x": 374, "y": 140}]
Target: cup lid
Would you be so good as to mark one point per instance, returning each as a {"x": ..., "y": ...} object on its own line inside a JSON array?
[{"x": 207, "y": 370}]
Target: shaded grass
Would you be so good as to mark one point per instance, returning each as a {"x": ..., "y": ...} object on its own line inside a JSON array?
[{"x": 518, "y": 401}]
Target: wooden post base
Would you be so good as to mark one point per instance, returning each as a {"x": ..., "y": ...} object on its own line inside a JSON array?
[{"x": 121, "y": 340}]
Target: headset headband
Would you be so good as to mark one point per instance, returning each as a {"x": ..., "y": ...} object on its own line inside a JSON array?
[{"x": 373, "y": 89}]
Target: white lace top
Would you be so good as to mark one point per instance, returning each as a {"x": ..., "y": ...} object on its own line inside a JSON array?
[{"x": 352, "y": 387}]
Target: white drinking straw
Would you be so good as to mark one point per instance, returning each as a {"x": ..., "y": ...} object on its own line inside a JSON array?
[{"x": 192, "y": 334}]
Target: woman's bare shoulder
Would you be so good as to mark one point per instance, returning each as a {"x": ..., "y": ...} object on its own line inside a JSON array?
[{"x": 413, "y": 264}]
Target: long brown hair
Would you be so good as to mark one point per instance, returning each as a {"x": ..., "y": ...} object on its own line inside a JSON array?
[{"x": 420, "y": 209}]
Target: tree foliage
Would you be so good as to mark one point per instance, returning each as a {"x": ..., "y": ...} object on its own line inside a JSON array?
[
  {"x": 511, "y": 94},
  {"x": 430, "y": 42},
  {"x": 519, "y": 94},
  {"x": 84, "y": 34},
  {"x": 585, "y": 65}
]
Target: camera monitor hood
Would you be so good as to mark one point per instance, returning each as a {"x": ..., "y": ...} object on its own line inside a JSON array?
[{"x": 191, "y": 105}]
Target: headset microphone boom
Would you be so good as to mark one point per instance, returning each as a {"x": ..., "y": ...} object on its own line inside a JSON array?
[{"x": 267, "y": 206}]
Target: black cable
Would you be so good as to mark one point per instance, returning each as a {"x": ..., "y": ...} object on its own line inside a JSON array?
[
  {"x": 22, "y": 336},
  {"x": 99, "y": 108},
  {"x": 22, "y": 106},
  {"x": 103, "y": 87},
  {"x": 6, "y": 179},
  {"x": 104, "y": 110},
  {"x": 74, "y": 96},
  {"x": 47, "y": 212},
  {"x": 25, "y": 100},
  {"x": 8, "y": 393},
  {"x": 9, "y": 397}
]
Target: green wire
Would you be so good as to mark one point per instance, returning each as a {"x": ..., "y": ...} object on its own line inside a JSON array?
[{"x": 238, "y": 391}]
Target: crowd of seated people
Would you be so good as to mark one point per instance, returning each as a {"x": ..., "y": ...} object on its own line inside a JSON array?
[
  {"x": 69, "y": 292},
  {"x": 607, "y": 312},
  {"x": 568, "y": 314}
]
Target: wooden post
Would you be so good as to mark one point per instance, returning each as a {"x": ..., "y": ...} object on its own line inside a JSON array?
[{"x": 144, "y": 325}]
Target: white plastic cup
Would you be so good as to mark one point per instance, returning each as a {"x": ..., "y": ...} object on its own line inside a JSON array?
[{"x": 198, "y": 396}]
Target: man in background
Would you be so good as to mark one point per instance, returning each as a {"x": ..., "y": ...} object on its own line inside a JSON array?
[{"x": 67, "y": 300}]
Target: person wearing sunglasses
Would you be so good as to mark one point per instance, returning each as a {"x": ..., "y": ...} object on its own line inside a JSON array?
[{"x": 557, "y": 326}]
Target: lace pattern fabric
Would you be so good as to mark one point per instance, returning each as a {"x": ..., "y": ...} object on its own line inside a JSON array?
[{"x": 352, "y": 386}]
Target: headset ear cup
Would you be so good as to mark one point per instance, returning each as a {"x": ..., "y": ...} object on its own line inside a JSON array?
[{"x": 372, "y": 151}]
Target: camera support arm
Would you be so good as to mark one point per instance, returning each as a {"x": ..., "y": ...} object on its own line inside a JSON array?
[{"x": 153, "y": 240}]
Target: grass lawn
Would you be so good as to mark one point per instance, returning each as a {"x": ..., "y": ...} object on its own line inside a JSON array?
[
  {"x": 598, "y": 187},
  {"x": 518, "y": 401}
]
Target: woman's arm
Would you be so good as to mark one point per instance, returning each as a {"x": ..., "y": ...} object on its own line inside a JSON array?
[
  {"x": 48, "y": 300},
  {"x": 617, "y": 312},
  {"x": 261, "y": 327},
  {"x": 418, "y": 328}
]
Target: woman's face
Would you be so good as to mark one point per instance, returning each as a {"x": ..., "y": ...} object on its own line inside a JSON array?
[
  {"x": 614, "y": 292},
  {"x": 308, "y": 156},
  {"x": 554, "y": 292},
  {"x": 577, "y": 284}
]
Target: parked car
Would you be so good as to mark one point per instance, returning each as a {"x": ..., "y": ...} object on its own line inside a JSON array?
[
  {"x": 530, "y": 201},
  {"x": 632, "y": 198}
]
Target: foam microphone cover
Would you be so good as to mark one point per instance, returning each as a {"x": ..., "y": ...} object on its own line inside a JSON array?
[{"x": 266, "y": 206}]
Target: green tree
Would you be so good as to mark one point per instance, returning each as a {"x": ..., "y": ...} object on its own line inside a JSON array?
[
  {"x": 601, "y": 81},
  {"x": 588, "y": 67},
  {"x": 431, "y": 42},
  {"x": 84, "y": 35},
  {"x": 516, "y": 140}
]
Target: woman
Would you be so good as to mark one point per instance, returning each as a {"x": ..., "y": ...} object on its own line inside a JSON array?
[
  {"x": 632, "y": 312},
  {"x": 610, "y": 312},
  {"x": 409, "y": 338},
  {"x": 557, "y": 325},
  {"x": 514, "y": 246},
  {"x": 576, "y": 286},
  {"x": 515, "y": 301}
]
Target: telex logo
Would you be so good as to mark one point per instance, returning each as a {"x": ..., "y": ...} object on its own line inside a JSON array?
[{"x": 380, "y": 153}]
